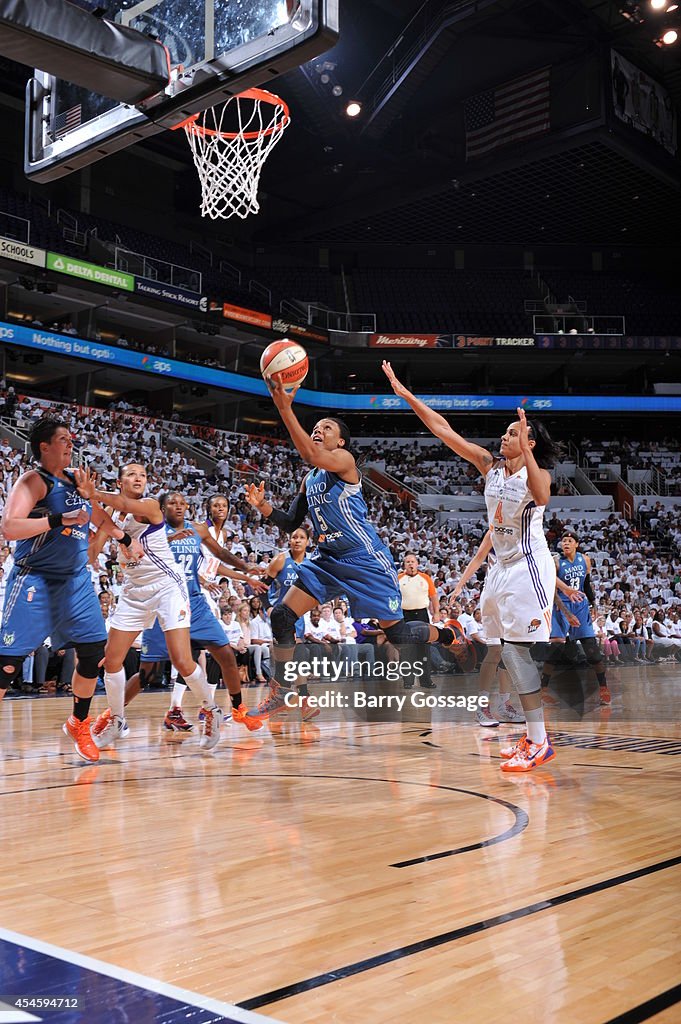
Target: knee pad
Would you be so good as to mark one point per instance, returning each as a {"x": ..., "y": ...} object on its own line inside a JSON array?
[
  {"x": 150, "y": 673},
  {"x": 592, "y": 650},
  {"x": 521, "y": 667},
  {"x": 283, "y": 621},
  {"x": 10, "y": 669},
  {"x": 90, "y": 657},
  {"x": 555, "y": 655},
  {"x": 402, "y": 632}
]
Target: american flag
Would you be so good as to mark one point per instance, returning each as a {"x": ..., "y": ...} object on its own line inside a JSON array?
[
  {"x": 66, "y": 122},
  {"x": 512, "y": 111}
]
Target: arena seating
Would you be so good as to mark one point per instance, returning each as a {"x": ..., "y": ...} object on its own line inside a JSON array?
[
  {"x": 488, "y": 302},
  {"x": 649, "y": 305}
]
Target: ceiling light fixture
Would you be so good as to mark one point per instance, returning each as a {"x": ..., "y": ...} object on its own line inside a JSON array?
[
  {"x": 354, "y": 108},
  {"x": 668, "y": 38}
]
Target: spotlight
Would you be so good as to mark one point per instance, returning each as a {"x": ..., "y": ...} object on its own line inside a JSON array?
[
  {"x": 668, "y": 38},
  {"x": 354, "y": 108},
  {"x": 337, "y": 90},
  {"x": 658, "y": 5}
]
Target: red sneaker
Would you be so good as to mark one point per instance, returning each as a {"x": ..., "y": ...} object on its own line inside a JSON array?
[
  {"x": 240, "y": 715},
  {"x": 82, "y": 739}
]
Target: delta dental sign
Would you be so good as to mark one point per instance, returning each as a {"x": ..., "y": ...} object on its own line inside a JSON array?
[{"x": 90, "y": 272}]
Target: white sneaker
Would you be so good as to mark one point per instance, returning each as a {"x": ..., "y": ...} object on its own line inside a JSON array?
[
  {"x": 116, "y": 729},
  {"x": 486, "y": 718},
  {"x": 210, "y": 727},
  {"x": 508, "y": 713}
]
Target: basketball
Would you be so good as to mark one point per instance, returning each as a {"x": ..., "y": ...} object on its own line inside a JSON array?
[{"x": 285, "y": 362}]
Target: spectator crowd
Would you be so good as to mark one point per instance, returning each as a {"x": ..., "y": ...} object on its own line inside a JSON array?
[{"x": 636, "y": 566}]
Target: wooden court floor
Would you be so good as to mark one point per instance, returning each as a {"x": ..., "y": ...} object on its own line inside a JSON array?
[{"x": 359, "y": 871}]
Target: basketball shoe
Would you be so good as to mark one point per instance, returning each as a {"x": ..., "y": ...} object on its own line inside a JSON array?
[
  {"x": 272, "y": 704},
  {"x": 306, "y": 711},
  {"x": 82, "y": 737},
  {"x": 513, "y": 748},
  {"x": 240, "y": 715},
  {"x": 210, "y": 727},
  {"x": 528, "y": 756},
  {"x": 115, "y": 729},
  {"x": 485, "y": 717},
  {"x": 101, "y": 722},
  {"x": 175, "y": 721},
  {"x": 507, "y": 712}
]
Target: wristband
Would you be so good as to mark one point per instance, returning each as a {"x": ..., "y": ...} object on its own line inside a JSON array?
[
  {"x": 125, "y": 540},
  {"x": 55, "y": 521}
]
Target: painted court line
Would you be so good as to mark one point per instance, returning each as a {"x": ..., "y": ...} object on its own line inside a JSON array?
[{"x": 227, "y": 1011}]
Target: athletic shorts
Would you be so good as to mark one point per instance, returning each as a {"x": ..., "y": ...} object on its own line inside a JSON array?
[
  {"x": 205, "y": 630},
  {"x": 139, "y": 607},
  {"x": 368, "y": 579},
  {"x": 66, "y": 610},
  {"x": 517, "y": 599},
  {"x": 562, "y": 630}
]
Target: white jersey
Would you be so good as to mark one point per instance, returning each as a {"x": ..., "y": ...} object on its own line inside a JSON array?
[
  {"x": 517, "y": 522},
  {"x": 158, "y": 564},
  {"x": 209, "y": 563}
]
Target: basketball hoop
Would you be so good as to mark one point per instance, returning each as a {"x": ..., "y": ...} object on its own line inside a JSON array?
[{"x": 230, "y": 145}]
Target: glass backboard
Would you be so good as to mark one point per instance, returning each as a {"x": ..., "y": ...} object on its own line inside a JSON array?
[{"x": 217, "y": 48}]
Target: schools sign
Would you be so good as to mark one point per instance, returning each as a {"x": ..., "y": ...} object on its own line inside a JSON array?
[
  {"x": 10, "y": 249},
  {"x": 90, "y": 272}
]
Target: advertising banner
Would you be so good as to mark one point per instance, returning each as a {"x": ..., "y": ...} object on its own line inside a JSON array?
[
  {"x": 247, "y": 316},
  {"x": 90, "y": 272},
  {"x": 173, "y": 369},
  {"x": 410, "y": 341},
  {"x": 299, "y": 331},
  {"x": 607, "y": 341},
  {"x": 169, "y": 293},
  {"x": 22, "y": 252},
  {"x": 446, "y": 341}
]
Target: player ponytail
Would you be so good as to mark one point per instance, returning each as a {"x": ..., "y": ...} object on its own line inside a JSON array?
[{"x": 546, "y": 451}]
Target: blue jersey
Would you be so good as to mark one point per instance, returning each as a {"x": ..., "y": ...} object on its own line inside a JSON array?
[
  {"x": 284, "y": 579},
  {"x": 187, "y": 553},
  {"x": 339, "y": 515},
  {"x": 60, "y": 552},
  {"x": 573, "y": 573}
]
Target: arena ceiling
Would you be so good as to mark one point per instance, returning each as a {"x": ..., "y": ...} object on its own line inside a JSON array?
[{"x": 398, "y": 173}]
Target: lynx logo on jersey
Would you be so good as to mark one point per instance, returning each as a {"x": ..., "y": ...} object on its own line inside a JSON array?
[
  {"x": 8, "y": 639},
  {"x": 393, "y": 604}
]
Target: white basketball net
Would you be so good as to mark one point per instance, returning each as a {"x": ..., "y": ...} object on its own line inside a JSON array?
[{"x": 230, "y": 145}]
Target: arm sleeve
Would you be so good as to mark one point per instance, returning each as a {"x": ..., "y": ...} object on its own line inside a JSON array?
[
  {"x": 291, "y": 520},
  {"x": 588, "y": 589}
]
